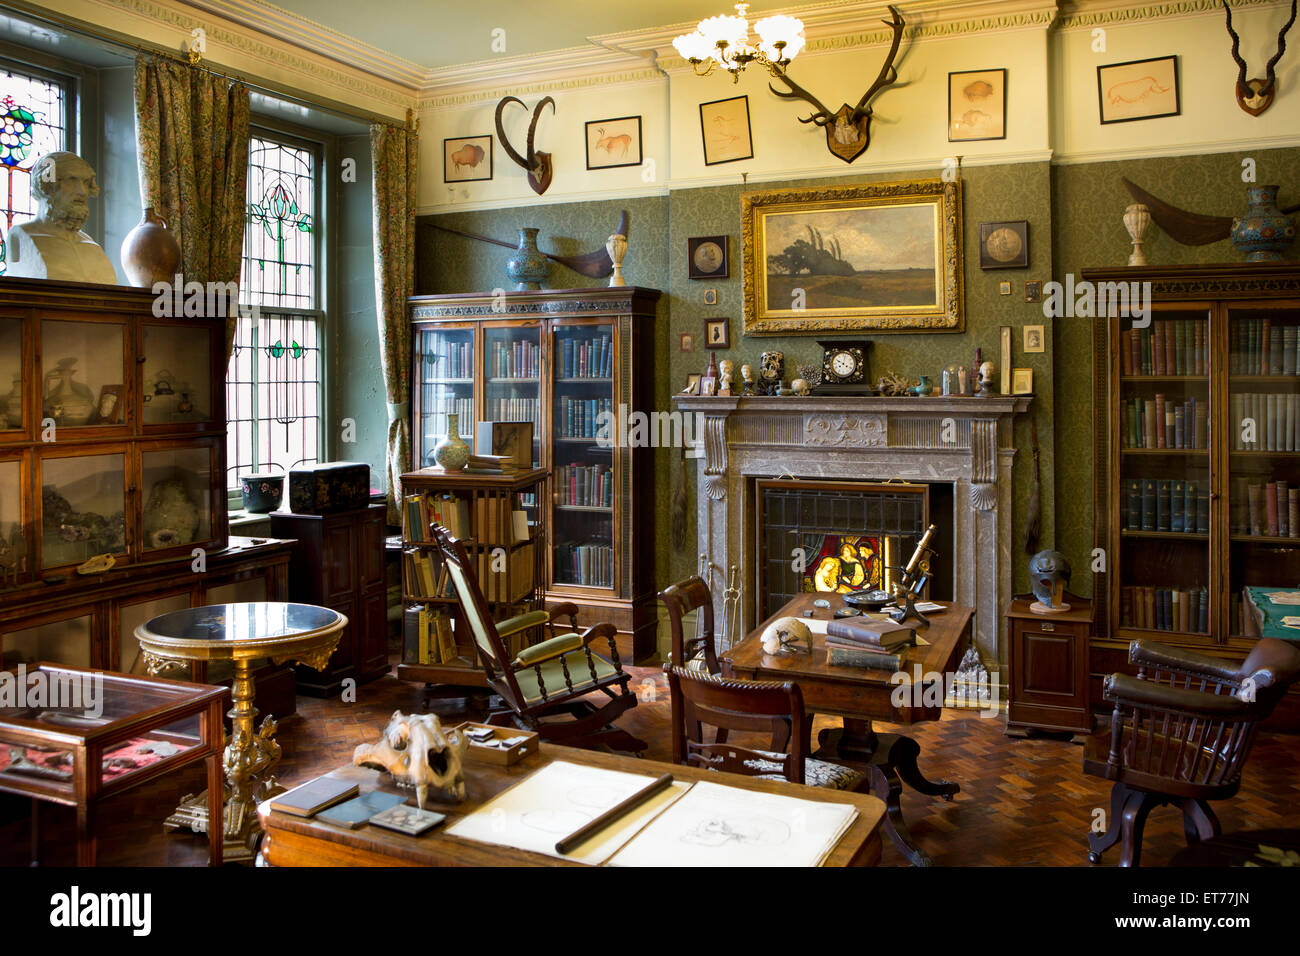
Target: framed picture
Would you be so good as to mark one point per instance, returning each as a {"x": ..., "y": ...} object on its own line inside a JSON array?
[
  {"x": 1004, "y": 245},
  {"x": 724, "y": 127},
  {"x": 710, "y": 296},
  {"x": 1035, "y": 340},
  {"x": 512, "y": 439},
  {"x": 977, "y": 105},
  {"x": 716, "y": 334},
  {"x": 693, "y": 383},
  {"x": 708, "y": 386},
  {"x": 1004, "y": 336},
  {"x": 108, "y": 407},
  {"x": 1022, "y": 381},
  {"x": 1004, "y": 287},
  {"x": 707, "y": 257},
  {"x": 883, "y": 256},
  {"x": 1138, "y": 89},
  {"x": 1034, "y": 290},
  {"x": 467, "y": 159},
  {"x": 688, "y": 342},
  {"x": 612, "y": 143}
]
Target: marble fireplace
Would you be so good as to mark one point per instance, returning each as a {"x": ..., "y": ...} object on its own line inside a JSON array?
[{"x": 962, "y": 441}]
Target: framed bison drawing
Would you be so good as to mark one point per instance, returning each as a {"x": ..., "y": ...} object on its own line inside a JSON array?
[
  {"x": 467, "y": 159},
  {"x": 1140, "y": 89},
  {"x": 977, "y": 105},
  {"x": 614, "y": 142}
]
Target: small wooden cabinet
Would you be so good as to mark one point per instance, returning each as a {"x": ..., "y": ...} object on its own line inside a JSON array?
[
  {"x": 1049, "y": 666},
  {"x": 338, "y": 562}
]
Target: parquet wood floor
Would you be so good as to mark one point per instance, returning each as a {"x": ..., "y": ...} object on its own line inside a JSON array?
[{"x": 1022, "y": 801}]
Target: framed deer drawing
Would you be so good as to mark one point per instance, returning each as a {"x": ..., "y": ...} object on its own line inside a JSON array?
[
  {"x": 724, "y": 126},
  {"x": 612, "y": 143}
]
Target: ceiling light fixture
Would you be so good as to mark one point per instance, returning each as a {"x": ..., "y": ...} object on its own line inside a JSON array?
[{"x": 723, "y": 41}]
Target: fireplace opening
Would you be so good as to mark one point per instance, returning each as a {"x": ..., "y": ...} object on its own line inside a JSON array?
[{"x": 845, "y": 535}]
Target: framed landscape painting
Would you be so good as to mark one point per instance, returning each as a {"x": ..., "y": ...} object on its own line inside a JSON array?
[{"x": 882, "y": 256}]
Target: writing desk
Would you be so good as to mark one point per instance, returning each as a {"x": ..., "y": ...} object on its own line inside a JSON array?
[
  {"x": 297, "y": 841},
  {"x": 859, "y": 696}
]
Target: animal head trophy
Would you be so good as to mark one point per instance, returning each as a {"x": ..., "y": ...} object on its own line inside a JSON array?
[
  {"x": 1256, "y": 95},
  {"x": 418, "y": 753},
  {"x": 538, "y": 164},
  {"x": 848, "y": 129}
]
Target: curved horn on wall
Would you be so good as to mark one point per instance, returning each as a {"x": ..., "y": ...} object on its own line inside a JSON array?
[{"x": 537, "y": 164}]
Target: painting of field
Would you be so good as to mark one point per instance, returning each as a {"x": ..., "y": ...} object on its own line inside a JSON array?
[{"x": 882, "y": 257}]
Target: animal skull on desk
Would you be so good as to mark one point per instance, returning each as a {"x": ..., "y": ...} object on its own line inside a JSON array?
[{"x": 418, "y": 753}]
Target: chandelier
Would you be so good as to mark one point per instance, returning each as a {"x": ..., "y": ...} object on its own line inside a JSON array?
[{"x": 723, "y": 41}]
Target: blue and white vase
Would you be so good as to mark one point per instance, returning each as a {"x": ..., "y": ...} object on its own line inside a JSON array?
[
  {"x": 1263, "y": 233},
  {"x": 528, "y": 267}
]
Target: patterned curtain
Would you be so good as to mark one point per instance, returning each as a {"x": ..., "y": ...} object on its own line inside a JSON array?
[
  {"x": 393, "y": 155},
  {"x": 191, "y": 127}
]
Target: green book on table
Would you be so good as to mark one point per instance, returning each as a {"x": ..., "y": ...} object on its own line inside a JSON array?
[{"x": 358, "y": 811}]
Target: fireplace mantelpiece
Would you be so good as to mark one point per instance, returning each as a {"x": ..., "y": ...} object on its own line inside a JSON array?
[{"x": 964, "y": 441}]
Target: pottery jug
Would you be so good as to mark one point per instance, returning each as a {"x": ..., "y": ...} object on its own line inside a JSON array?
[
  {"x": 66, "y": 401},
  {"x": 150, "y": 252},
  {"x": 1263, "y": 233},
  {"x": 528, "y": 267},
  {"x": 451, "y": 453}
]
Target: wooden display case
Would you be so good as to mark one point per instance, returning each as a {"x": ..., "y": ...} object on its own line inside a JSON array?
[
  {"x": 1049, "y": 666},
  {"x": 473, "y": 354}
]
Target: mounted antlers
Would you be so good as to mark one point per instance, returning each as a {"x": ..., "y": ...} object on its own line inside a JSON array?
[
  {"x": 1256, "y": 95},
  {"x": 538, "y": 164},
  {"x": 848, "y": 129}
]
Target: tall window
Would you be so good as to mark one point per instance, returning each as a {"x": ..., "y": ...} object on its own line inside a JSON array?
[
  {"x": 273, "y": 385},
  {"x": 33, "y": 122}
]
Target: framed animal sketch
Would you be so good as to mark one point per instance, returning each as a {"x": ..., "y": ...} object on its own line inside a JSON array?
[
  {"x": 467, "y": 159},
  {"x": 977, "y": 105},
  {"x": 1139, "y": 89},
  {"x": 724, "y": 127},
  {"x": 707, "y": 258},
  {"x": 612, "y": 143},
  {"x": 884, "y": 256}
]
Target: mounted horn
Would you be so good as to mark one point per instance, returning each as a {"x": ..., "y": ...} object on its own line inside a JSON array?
[
  {"x": 537, "y": 164},
  {"x": 1256, "y": 95}
]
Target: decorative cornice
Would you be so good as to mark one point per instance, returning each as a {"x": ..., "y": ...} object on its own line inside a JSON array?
[{"x": 1091, "y": 13}]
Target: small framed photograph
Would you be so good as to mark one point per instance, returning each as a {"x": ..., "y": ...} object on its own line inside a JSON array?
[
  {"x": 612, "y": 143},
  {"x": 688, "y": 341},
  {"x": 1004, "y": 287},
  {"x": 724, "y": 127},
  {"x": 717, "y": 334},
  {"x": 706, "y": 257},
  {"x": 693, "y": 383},
  {"x": 710, "y": 296},
  {"x": 1022, "y": 381},
  {"x": 1034, "y": 339},
  {"x": 1004, "y": 245},
  {"x": 977, "y": 105},
  {"x": 1138, "y": 90},
  {"x": 708, "y": 386},
  {"x": 467, "y": 159},
  {"x": 108, "y": 407},
  {"x": 1034, "y": 290}
]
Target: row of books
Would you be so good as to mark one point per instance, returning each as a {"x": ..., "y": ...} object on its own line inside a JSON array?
[
  {"x": 588, "y": 485},
  {"x": 1167, "y": 347},
  {"x": 427, "y": 636},
  {"x": 580, "y": 417},
  {"x": 451, "y": 360},
  {"x": 488, "y": 520},
  {"x": 504, "y": 575},
  {"x": 591, "y": 565},
  {"x": 1165, "y": 504},
  {"x": 1166, "y": 609},
  {"x": 514, "y": 360},
  {"x": 1270, "y": 419},
  {"x": 1265, "y": 508},
  {"x": 1258, "y": 347},
  {"x": 587, "y": 358},
  {"x": 511, "y": 409},
  {"x": 426, "y": 576},
  {"x": 1164, "y": 423}
]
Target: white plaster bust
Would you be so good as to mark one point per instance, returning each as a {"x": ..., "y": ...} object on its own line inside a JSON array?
[{"x": 52, "y": 246}]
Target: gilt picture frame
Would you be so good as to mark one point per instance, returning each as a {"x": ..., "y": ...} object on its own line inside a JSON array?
[{"x": 880, "y": 256}]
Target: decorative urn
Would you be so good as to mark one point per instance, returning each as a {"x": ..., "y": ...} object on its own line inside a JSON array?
[
  {"x": 452, "y": 453},
  {"x": 1264, "y": 233},
  {"x": 528, "y": 267},
  {"x": 150, "y": 252}
]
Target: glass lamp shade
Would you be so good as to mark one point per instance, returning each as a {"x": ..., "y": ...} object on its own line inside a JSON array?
[
  {"x": 693, "y": 46},
  {"x": 723, "y": 29},
  {"x": 777, "y": 29}
]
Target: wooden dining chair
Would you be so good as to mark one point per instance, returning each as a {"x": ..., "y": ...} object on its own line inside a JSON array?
[
  {"x": 560, "y": 688},
  {"x": 700, "y": 699},
  {"x": 698, "y": 653},
  {"x": 1181, "y": 732}
]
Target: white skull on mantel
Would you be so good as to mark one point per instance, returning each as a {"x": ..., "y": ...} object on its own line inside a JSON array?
[{"x": 418, "y": 753}]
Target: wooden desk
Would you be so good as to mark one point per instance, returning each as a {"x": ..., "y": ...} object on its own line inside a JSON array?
[
  {"x": 295, "y": 841},
  {"x": 860, "y": 696}
]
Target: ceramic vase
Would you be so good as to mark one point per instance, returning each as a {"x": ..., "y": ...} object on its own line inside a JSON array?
[
  {"x": 528, "y": 267},
  {"x": 1263, "y": 233},
  {"x": 150, "y": 253},
  {"x": 1137, "y": 220},
  {"x": 452, "y": 453},
  {"x": 66, "y": 401},
  {"x": 616, "y": 246}
]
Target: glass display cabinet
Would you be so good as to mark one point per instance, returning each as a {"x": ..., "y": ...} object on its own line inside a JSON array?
[
  {"x": 176, "y": 378},
  {"x": 11, "y": 379},
  {"x": 82, "y": 505},
  {"x": 558, "y": 358},
  {"x": 83, "y": 373}
]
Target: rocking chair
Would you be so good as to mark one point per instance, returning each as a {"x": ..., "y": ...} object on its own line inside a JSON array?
[
  {"x": 547, "y": 681},
  {"x": 1181, "y": 733}
]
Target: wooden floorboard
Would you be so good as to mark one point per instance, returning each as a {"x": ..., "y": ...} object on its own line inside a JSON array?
[{"x": 1022, "y": 801}]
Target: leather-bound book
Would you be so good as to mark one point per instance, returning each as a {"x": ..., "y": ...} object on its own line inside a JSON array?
[
  {"x": 1171, "y": 351},
  {"x": 1293, "y": 511},
  {"x": 1257, "y": 514},
  {"x": 1134, "y": 502},
  {"x": 869, "y": 633},
  {"x": 1162, "y": 504},
  {"x": 1185, "y": 611},
  {"x": 1283, "y": 512},
  {"x": 1202, "y": 507},
  {"x": 1270, "y": 508},
  {"x": 1148, "y": 504},
  {"x": 1160, "y": 421},
  {"x": 1177, "y": 506}
]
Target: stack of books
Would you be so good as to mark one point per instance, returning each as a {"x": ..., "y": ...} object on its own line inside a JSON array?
[
  {"x": 491, "y": 465},
  {"x": 867, "y": 642}
]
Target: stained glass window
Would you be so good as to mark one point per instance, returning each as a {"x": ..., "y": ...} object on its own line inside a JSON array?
[
  {"x": 33, "y": 122},
  {"x": 279, "y": 265}
]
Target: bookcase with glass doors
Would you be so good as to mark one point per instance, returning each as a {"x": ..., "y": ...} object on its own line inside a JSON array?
[
  {"x": 559, "y": 359},
  {"x": 1197, "y": 456}
]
